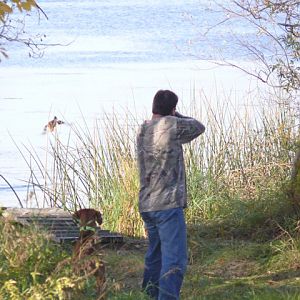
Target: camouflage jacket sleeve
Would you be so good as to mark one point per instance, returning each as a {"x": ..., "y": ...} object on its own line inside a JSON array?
[{"x": 188, "y": 129}]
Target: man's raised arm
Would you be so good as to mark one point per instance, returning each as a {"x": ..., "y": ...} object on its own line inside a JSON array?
[{"x": 188, "y": 128}]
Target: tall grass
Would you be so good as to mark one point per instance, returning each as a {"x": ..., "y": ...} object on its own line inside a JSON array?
[
  {"x": 241, "y": 168},
  {"x": 235, "y": 171}
]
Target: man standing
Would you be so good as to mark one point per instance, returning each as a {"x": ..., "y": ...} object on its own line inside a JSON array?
[{"x": 162, "y": 195}]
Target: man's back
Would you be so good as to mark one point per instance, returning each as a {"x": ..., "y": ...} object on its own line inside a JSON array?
[{"x": 160, "y": 159}]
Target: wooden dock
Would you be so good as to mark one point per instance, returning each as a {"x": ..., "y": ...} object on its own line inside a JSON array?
[{"x": 57, "y": 222}]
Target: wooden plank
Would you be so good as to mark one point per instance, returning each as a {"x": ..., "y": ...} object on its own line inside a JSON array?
[{"x": 57, "y": 222}]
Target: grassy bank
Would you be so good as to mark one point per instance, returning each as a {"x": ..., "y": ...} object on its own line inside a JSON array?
[
  {"x": 33, "y": 267},
  {"x": 243, "y": 232}
]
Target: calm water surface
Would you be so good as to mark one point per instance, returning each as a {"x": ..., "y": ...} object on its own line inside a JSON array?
[{"x": 113, "y": 54}]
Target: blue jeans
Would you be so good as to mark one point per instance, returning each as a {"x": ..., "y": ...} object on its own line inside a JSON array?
[{"x": 166, "y": 258}]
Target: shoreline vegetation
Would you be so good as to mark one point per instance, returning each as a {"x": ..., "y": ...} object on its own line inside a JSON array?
[{"x": 243, "y": 226}]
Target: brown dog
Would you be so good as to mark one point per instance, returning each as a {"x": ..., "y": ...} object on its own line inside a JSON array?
[{"x": 84, "y": 252}]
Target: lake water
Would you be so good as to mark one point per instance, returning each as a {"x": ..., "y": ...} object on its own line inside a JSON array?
[{"x": 112, "y": 55}]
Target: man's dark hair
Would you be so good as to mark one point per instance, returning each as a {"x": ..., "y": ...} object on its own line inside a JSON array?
[{"x": 164, "y": 102}]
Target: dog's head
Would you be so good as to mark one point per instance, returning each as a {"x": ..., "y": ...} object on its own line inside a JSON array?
[{"x": 88, "y": 216}]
